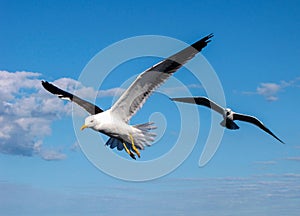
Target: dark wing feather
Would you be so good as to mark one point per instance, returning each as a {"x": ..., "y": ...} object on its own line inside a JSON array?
[
  {"x": 174, "y": 62},
  {"x": 144, "y": 85},
  {"x": 91, "y": 108},
  {"x": 203, "y": 101},
  {"x": 253, "y": 120}
]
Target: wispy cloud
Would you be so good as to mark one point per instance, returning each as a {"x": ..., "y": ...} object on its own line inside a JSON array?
[
  {"x": 276, "y": 194},
  {"x": 265, "y": 165},
  {"x": 271, "y": 90},
  {"x": 293, "y": 158},
  {"x": 74, "y": 147},
  {"x": 52, "y": 155},
  {"x": 292, "y": 175},
  {"x": 266, "y": 162},
  {"x": 113, "y": 92}
]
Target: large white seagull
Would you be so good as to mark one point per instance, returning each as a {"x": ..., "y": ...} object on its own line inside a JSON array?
[{"x": 114, "y": 121}]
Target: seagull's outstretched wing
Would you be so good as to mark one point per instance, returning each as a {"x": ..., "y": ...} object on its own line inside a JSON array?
[
  {"x": 91, "y": 108},
  {"x": 144, "y": 85},
  {"x": 255, "y": 121},
  {"x": 203, "y": 101}
]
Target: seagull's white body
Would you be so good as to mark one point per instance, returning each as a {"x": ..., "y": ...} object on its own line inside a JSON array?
[{"x": 111, "y": 125}]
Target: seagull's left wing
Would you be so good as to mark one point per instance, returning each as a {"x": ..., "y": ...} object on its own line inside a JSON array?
[
  {"x": 253, "y": 120},
  {"x": 91, "y": 108},
  {"x": 144, "y": 85}
]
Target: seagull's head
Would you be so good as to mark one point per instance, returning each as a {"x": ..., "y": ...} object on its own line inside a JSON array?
[{"x": 90, "y": 122}]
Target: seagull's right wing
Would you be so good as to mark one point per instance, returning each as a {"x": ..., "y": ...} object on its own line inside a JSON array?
[
  {"x": 255, "y": 121},
  {"x": 203, "y": 101},
  {"x": 91, "y": 108},
  {"x": 144, "y": 85}
]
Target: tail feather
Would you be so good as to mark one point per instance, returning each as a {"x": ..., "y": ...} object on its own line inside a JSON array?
[
  {"x": 229, "y": 124},
  {"x": 144, "y": 137},
  {"x": 146, "y": 126}
]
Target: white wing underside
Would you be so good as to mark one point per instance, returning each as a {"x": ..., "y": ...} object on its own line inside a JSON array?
[
  {"x": 145, "y": 84},
  {"x": 137, "y": 94}
]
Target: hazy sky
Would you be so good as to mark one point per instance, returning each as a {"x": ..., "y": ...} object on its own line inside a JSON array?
[{"x": 255, "y": 54}]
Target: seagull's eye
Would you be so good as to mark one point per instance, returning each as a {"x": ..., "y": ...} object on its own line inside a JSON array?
[{"x": 92, "y": 121}]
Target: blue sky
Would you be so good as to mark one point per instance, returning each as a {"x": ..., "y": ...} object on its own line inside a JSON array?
[{"x": 255, "y": 53}]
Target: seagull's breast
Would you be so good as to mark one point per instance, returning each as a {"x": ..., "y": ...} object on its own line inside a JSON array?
[
  {"x": 111, "y": 125},
  {"x": 228, "y": 114}
]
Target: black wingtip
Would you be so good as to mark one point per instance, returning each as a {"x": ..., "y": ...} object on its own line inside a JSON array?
[
  {"x": 277, "y": 138},
  {"x": 199, "y": 45},
  {"x": 47, "y": 86},
  {"x": 208, "y": 37},
  {"x": 44, "y": 83},
  {"x": 54, "y": 90}
]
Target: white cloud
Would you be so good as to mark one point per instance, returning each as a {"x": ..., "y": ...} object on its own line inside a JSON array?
[
  {"x": 51, "y": 155},
  {"x": 12, "y": 83},
  {"x": 27, "y": 111},
  {"x": 76, "y": 87},
  {"x": 270, "y": 90},
  {"x": 113, "y": 92}
]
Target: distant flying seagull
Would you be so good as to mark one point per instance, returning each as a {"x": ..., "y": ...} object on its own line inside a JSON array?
[
  {"x": 114, "y": 121},
  {"x": 228, "y": 115}
]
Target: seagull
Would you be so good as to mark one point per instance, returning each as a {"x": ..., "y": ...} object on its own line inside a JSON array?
[
  {"x": 114, "y": 121},
  {"x": 228, "y": 115}
]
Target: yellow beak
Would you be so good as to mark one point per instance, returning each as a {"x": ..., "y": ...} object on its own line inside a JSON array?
[{"x": 83, "y": 127}]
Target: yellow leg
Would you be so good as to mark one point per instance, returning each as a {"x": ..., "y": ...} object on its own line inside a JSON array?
[
  {"x": 134, "y": 147},
  {"x": 129, "y": 152}
]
